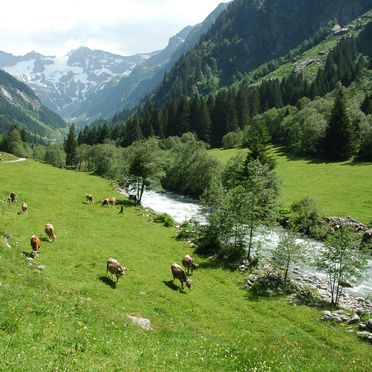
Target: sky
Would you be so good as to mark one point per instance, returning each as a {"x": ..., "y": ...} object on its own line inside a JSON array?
[{"x": 125, "y": 27}]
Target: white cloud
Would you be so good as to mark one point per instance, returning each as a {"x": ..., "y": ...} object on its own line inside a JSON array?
[{"x": 119, "y": 26}]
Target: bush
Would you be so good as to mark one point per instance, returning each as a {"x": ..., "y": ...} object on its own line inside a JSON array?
[
  {"x": 306, "y": 218},
  {"x": 232, "y": 139},
  {"x": 186, "y": 231},
  {"x": 165, "y": 219}
]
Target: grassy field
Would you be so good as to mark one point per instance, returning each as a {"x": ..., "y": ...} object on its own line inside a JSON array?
[
  {"x": 70, "y": 317},
  {"x": 341, "y": 189}
]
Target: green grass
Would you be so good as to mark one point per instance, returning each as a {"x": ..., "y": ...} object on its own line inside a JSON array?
[
  {"x": 340, "y": 189},
  {"x": 69, "y": 317},
  {"x": 4, "y": 156}
]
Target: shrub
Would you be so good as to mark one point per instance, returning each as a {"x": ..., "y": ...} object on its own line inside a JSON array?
[
  {"x": 306, "y": 217},
  {"x": 165, "y": 219}
]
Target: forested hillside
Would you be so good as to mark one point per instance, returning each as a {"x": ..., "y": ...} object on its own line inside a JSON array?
[
  {"x": 20, "y": 106},
  {"x": 249, "y": 34}
]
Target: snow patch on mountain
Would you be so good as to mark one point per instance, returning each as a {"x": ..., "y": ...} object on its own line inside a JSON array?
[{"x": 64, "y": 82}]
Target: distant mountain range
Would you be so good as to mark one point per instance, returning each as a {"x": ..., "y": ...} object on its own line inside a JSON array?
[
  {"x": 63, "y": 83},
  {"x": 86, "y": 84}
]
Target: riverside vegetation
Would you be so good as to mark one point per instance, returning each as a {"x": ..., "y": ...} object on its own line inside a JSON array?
[{"x": 67, "y": 316}]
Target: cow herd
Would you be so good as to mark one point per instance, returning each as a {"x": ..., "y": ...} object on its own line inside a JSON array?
[{"x": 114, "y": 267}]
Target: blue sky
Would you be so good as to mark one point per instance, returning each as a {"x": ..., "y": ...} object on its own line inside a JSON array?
[{"x": 119, "y": 26}]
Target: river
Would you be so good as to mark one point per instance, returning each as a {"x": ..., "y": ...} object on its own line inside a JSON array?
[{"x": 182, "y": 208}]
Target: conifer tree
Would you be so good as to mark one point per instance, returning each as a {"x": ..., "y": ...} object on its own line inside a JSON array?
[
  {"x": 340, "y": 140},
  {"x": 71, "y": 145}
]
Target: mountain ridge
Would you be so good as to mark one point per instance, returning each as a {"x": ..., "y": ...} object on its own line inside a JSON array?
[{"x": 19, "y": 105}]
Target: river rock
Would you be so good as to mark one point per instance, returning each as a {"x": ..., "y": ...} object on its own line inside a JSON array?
[
  {"x": 143, "y": 323},
  {"x": 344, "y": 318},
  {"x": 327, "y": 315},
  {"x": 354, "y": 319},
  {"x": 363, "y": 335}
]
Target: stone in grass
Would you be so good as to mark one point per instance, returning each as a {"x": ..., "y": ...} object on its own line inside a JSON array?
[
  {"x": 40, "y": 267},
  {"x": 143, "y": 323},
  {"x": 354, "y": 319}
]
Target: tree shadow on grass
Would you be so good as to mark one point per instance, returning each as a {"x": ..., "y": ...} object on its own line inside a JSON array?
[
  {"x": 309, "y": 159},
  {"x": 109, "y": 282},
  {"x": 126, "y": 203},
  {"x": 173, "y": 287},
  {"x": 219, "y": 264}
]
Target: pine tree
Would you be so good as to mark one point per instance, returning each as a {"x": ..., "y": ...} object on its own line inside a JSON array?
[
  {"x": 70, "y": 146},
  {"x": 340, "y": 140}
]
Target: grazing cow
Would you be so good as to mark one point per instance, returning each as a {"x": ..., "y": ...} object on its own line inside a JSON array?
[
  {"x": 24, "y": 208},
  {"x": 12, "y": 197},
  {"x": 133, "y": 198},
  {"x": 49, "y": 230},
  {"x": 189, "y": 263},
  {"x": 115, "y": 268},
  {"x": 109, "y": 201},
  {"x": 35, "y": 244},
  {"x": 179, "y": 273},
  {"x": 89, "y": 198}
]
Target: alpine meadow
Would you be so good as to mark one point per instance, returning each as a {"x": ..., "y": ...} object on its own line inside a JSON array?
[{"x": 202, "y": 203}]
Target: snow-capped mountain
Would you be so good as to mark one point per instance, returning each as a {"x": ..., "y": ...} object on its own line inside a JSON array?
[{"x": 63, "y": 83}]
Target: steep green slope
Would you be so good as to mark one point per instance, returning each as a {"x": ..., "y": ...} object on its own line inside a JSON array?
[
  {"x": 69, "y": 316},
  {"x": 249, "y": 34},
  {"x": 19, "y": 105}
]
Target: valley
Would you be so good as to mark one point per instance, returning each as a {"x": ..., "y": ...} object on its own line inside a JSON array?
[
  {"x": 243, "y": 139},
  {"x": 67, "y": 315}
]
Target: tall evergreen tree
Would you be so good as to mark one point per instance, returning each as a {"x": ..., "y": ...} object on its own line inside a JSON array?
[
  {"x": 70, "y": 146},
  {"x": 340, "y": 140}
]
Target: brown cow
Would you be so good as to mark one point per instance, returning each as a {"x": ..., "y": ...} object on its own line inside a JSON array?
[
  {"x": 49, "y": 230},
  {"x": 115, "y": 268},
  {"x": 24, "y": 208},
  {"x": 189, "y": 264},
  {"x": 109, "y": 201},
  {"x": 179, "y": 273},
  {"x": 89, "y": 198},
  {"x": 35, "y": 244},
  {"x": 12, "y": 197}
]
